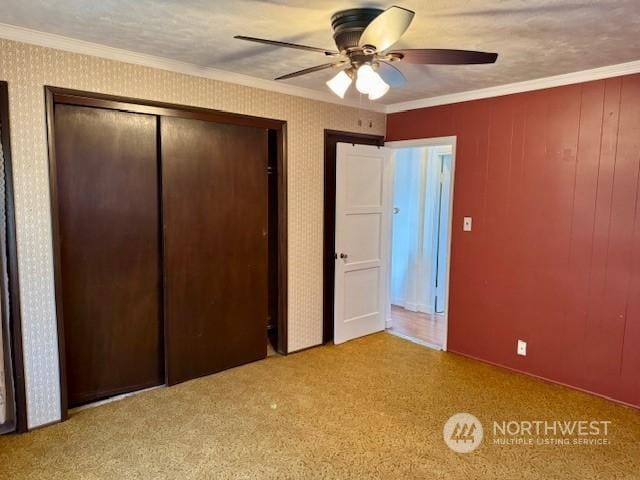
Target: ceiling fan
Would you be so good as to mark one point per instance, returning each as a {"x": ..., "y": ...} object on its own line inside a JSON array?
[{"x": 363, "y": 37}]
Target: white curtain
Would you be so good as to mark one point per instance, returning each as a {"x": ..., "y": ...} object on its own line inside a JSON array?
[{"x": 407, "y": 168}]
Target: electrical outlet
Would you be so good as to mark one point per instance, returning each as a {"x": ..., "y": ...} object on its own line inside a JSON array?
[
  {"x": 466, "y": 224},
  {"x": 522, "y": 348}
]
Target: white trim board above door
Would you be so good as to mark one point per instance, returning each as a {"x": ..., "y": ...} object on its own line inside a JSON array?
[{"x": 363, "y": 213}]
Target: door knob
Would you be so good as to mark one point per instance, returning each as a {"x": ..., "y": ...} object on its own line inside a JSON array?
[{"x": 344, "y": 256}]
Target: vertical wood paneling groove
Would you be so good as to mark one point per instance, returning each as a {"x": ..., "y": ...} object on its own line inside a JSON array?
[
  {"x": 595, "y": 352},
  {"x": 511, "y": 135},
  {"x": 565, "y": 332},
  {"x": 552, "y": 181},
  {"x": 595, "y": 213},
  {"x": 632, "y": 263},
  {"x": 630, "y": 353},
  {"x": 631, "y": 86},
  {"x": 610, "y": 299},
  {"x": 487, "y": 164},
  {"x": 613, "y": 190},
  {"x": 583, "y": 221}
]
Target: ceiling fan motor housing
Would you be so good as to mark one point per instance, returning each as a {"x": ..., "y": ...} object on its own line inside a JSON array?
[{"x": 348, "y": 26}]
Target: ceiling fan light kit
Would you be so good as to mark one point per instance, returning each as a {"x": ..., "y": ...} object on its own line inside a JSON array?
[
  {"x": 378, "y": 89},
  {"x": 340, "y": 83},
  {"x": 370, "y": 83},
  {"x": 363, "y": 37}
]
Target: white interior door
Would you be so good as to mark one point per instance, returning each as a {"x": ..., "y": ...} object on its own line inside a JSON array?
[{"x": 363, "y": 228}]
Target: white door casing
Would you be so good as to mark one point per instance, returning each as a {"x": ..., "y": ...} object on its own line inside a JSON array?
[
  {"x": 363, "y": 230},
  {"x": 442, "y": 233}
]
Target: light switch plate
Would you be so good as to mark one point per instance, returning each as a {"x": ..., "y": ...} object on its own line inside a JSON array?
[
  {"x": 522, "y": 348},
  {"x": 466, "y": 225}
]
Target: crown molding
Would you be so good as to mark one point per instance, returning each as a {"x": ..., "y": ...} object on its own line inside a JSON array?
[
  {"x": 59, "y": 42},
  {"x": 50, "y": 40},
  {"x": 526, "y": 86}
]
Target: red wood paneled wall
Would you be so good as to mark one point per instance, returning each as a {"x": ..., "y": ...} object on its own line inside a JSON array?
[{"x": 551, "y": 179}]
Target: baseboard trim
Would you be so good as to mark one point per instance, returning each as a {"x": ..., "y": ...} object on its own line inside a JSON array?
[
  {"x": 304, "y": 349},
  {"x": 416, "y": 307},
  {"x": 432, "y": 346},
  {"x": 114, "y": 398},
  {"x": 545, "y": 379}
]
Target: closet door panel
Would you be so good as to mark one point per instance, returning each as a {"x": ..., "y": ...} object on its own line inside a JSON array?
[
  {"x": 109, "y": 250},
  {"x": 215, "y": 204}
]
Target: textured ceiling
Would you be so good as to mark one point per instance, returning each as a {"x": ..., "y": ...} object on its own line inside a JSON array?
[{"x": 535, "y": 38}]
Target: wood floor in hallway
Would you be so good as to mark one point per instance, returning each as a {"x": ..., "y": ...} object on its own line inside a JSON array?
[{"x": 420, "y": 326}]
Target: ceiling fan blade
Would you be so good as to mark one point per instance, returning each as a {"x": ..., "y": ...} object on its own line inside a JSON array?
[
  {"x": 438, "y": 56},
  {"x": 317, "y": 68},
  {"x": 387, "y": 28},
  {"x": 391, "y": 75},
  {"x": 275, "y": 43}
]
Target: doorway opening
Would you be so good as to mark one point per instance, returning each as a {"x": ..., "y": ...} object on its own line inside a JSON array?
[
  {"x": 331, "y": 140},
  {"x": 420, "y": 240},
  {"x": 359, "y": 203}
]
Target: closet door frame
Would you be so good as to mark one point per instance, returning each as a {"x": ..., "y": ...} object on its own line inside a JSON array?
[
  {"x": 15, "y": 319},
  {"x": 56, "y": 95}
]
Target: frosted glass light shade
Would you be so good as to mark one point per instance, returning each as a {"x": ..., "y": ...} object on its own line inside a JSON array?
[
  {"x": 340, "y": 84},
  {"x": 370, "y": 83},
  {"x": 378, "y": 89},
  {"x": 366, "y": 79}
]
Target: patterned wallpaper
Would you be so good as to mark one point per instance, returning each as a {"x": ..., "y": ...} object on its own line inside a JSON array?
[{"x": 28, "y": 68}]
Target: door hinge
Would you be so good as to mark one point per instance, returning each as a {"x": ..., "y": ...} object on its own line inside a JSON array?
[{"x": 270, "y": 170}]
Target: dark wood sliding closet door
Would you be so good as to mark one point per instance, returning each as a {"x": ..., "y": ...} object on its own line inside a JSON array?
[
  {"x": 106, "y": 168},
  {"x": 214, "y": 182}
]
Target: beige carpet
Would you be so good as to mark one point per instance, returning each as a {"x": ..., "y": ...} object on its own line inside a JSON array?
[{"x": 371, "y": 408}]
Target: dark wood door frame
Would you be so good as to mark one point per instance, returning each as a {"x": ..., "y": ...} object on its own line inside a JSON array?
[
  {"x": 54, "y": 95},
  {"x": 15, "y": 320},
  {"x": 331, "y": 138}
]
